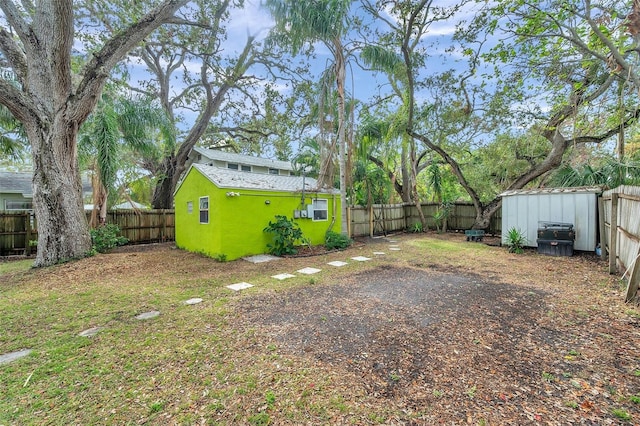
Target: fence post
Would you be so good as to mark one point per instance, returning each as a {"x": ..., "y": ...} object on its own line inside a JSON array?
[
  {"x": 634, "y": 279},
  {"x": 613, "y": 234},
  {"x": 371, "y": 220},
  {"x": 349, "y": 221},
  {"x": 603, "y": 229},
  {"x": 27, "y": 238}
]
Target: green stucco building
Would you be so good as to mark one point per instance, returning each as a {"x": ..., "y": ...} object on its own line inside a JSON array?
[{"x": 222, "y": 212}]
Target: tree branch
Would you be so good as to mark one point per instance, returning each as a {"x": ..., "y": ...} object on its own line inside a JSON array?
[{"x": 97, "y": 69}]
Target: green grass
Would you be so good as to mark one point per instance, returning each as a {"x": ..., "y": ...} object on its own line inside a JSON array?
[
  {"x": 15, "y": 266},
  {"x": 192, "y": 364}
]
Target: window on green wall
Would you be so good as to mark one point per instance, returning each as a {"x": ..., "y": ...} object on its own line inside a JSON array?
[
  {"x": 320, "y": 208},
  {"x": 189, "y": 207},
  {"x": 204, "y": 209}
]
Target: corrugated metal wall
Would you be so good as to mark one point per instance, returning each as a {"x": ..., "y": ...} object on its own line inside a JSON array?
[{"x": 524, "y": 210}]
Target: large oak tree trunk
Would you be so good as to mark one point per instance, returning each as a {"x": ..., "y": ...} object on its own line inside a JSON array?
[
  {"x": 57, "y": 195},
  {"x": 44, "y": 94}
]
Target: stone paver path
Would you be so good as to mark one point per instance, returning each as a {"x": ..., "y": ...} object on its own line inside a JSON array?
[
  {"x": 90, "y": 332},
  {"x": 239, "y": 286},
  {"x": 147, "y": 315},
  {"x": 308, "y": 271},
  {"x": 361, "y": 258},
  {"x": 12, "y": 356},
  {"x": 337, "y": 263},
  {"x": 193, "y": 301},
  {"x": 282, "y": 276}
]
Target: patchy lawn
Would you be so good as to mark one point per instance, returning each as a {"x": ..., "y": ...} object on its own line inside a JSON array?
[{"x": 441, "y": 331}]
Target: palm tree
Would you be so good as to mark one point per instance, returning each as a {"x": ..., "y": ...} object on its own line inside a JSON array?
[
  {"x": 116, "y": 123},
  {"x": 299, "y": 23},
  {"x": 13, "y": 140},
  {"x": 610, "y": 173}
]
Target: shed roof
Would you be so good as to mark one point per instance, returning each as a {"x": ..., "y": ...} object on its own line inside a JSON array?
[
  {"x": 16, "y": 183},
  {"x": 234, "y": 179},
  {"x": 216, "y": 154},
  {"x": 567, "y": 190}
]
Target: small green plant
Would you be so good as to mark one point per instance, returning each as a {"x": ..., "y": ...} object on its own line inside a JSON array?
[
  {"x": 156, "y": 407},
  {"x": 105, "y": 238},
  {"x": 220, "y": 257},
  {"x": 270, "y": 398},
  {"x": 571, "y": 404},
  {"x": 516, "y": 240},
  {"x": 33, "y": 243},
  {"x": 417, "y": 228},
  {"x": 635, "y": 399},
  {"x": 621, "y": 414},
  {"x": 286, "y": 234},
  {"x": 471, "y": 392},
  {"x": 441, "y": 215},
  {"x": 394, "y": 377},
  {"x": 548, "y": 377},
  {"x": 334, "y": 240},
  {"x": 437, "y": 393},
  {"x": 259, "y": 419}
]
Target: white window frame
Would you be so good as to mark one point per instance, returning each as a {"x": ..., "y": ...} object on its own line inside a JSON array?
[
  {"x": 320, "y": 205},
  {"x": 190, "y": 207},
  {"x": 203, "y": 201},
  {"x": 233, "y": 166},
  {"x": 245, "y": 168},
  {"x": 273, "y": 171}
]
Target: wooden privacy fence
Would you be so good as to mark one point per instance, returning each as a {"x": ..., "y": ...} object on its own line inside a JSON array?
[
  {"x": 620, "y": 230},
  {"x": 381, "y": 219},
  {"x": 18, "y": 230}
]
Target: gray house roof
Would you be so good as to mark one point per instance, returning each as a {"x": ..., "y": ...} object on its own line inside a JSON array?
[
  {"x": 233, "y": 179},
  {"x": 249, "y": 160},
  {"x": 20, "y": 183},
  {"x": 16, "y": 183}
]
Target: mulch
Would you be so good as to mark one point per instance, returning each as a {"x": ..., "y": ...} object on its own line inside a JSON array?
[{"x": 469, "y": 346}]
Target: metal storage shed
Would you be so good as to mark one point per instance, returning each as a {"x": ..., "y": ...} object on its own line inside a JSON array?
[{"x": 524, "y": 209}]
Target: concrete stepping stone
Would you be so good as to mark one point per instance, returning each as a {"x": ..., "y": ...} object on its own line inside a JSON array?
[
  {"x": 12, "y": 356},
  {"x": 394, "y": 248},
  {"x": 308, "y": 271},
  {"x": 260, "y": 258},
  {"x": 147, "y": 315},
  {"x": 392, "y": 241},
  {"x": 239, "y": 286},
  {"x": 90, "y": 332},
  {"x": 337, "y": 263},
  {"x": 361, "y": 258},
  {"x": 193, "y": 301},
  {"x": 378, "y": 253},
  {"x": 282, "y": 276}
]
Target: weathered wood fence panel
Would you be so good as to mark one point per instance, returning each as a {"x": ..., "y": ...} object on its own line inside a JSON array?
[
  {"x": 621, "y": 239},
  {"x": 381, "y": 219},
  {"x": 17, "y": 229}
]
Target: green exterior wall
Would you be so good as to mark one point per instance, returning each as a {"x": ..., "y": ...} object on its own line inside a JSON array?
[{"x": 236, "y": 224}]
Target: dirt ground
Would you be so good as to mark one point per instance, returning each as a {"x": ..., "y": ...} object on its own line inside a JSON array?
[
  {"x": 508, "y": 339},
  {"x": 466, "y": 334}
]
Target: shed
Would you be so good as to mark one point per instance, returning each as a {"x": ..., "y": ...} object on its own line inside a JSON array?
[
  {"x": 525, "y": 209},
  {"x": 223, "y": 212}
]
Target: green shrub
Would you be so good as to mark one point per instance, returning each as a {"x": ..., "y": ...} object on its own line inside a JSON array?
[
  {"x": 286, "y": 234},
  {"x": 333, "y": 240},
  {"x": 105, "y": 238},
  {"x": 417, "y": 228},
  {"x": 516, "y": 240}
]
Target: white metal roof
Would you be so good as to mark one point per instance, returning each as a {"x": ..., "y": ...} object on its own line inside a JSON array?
[
  {"x": 230, "y": 157},
  {"x": 567, "y": 190},
  {"x": 234, "y": 179}
]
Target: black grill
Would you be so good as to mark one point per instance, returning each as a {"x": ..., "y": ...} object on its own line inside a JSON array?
[{"x": 556, "y": 238}]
